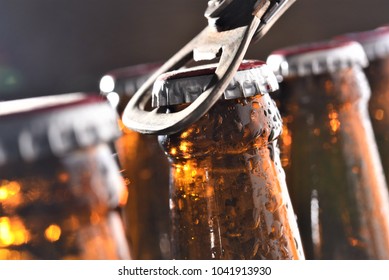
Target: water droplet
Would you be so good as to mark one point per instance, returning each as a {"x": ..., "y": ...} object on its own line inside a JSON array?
[
  {"x": 271, "y": 135},
  {"x": 234, "y": 234},
  {"x": 219, "y": 120},
  {"x": 250, "y": 164},
  {"x": 265, "y": 249},
  {"x": 276, "y": 230},
  {"x": 257, "y": 192},
  {"x": 295, "y": 242},
  {"x": 220, "y": 181},
  {"x": 257, "y": 217},
  {"x": 214, "y": 252},
  {"x": 356, "y": 170},
  {"x": 254, "y": 115},
  {"x": 239, "y": 125},
  {"x": 379, "y": 114},
  {"x": 256, "y": 105},
  {"x": 255, "y": 248},
  {"x": 285, "y": 252},
  {"x": 279, "y": 116}
]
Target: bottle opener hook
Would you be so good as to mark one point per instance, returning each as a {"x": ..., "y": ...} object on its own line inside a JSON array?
[{"x": 230, "y": 45}]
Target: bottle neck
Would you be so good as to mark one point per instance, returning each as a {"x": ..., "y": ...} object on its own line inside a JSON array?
[
  {"x": 231, "y": 127},
  {"x": 333, "y": 161},
  {"x": 315, "y": 92},
  {"x": 80, "y": 171},
  {"x": 378, "y": 75}
]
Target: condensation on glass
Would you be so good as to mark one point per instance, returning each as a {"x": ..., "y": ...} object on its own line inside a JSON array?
[
  {"x": 376, "y": 45},
  {"x": 329, "y": 153},
  {"x": 59, "y": 184},
  {"x": 228, "y": 197},
  {"x": 145, "y": 168}
]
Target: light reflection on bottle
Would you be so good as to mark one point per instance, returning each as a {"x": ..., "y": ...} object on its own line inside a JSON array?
[
  {"x": 315, "y": 221},
  {"x": 12, "y": 232},
  {"x": 53, "y": 233},
  {"x": 8, "y": 189}
]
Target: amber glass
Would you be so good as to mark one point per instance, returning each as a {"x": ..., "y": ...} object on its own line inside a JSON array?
[
  {"x": 228, "y": 196},
  {"x": 332, "y": 166},
  {"x": 378, "y": 76},
  {"x": 147, "y": 212},
  {"x": 63, "y": 208},
  {"x": 146, "y": 170}
]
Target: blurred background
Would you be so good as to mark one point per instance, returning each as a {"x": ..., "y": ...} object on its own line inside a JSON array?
[{"x": 51, "y": 47}]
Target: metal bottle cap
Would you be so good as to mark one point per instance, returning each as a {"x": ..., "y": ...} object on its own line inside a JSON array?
[
  {"x": 316, "y": 58},
  {"x": 375, "y": 42},
  {"x": 54, "y": 125},
  {"x": 185, "y": 86},
  {"x": 122, "y": 83}
]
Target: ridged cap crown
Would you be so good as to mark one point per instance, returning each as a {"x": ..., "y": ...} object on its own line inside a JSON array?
[
  {"x": 375, "y": 42},
  {"x": 316, "y": 58},
  {"x": 119, "y": 85},
  {"x": 54, "y": 125},
  {"x": 184, "y": 86},
  {"x": 127, "y": 80}
]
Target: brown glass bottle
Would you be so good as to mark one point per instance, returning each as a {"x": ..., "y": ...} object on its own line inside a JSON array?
[
  {"x": 59, "y": 185},
  {"x": 145, "y": 168},
  {"x": 228, "y": 197},
  {"x": 329, "y": 153},
  {"x": 376, "y": 46}
]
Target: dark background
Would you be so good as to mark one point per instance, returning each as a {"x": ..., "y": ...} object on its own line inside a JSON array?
[{"x": 51, "y": 47}]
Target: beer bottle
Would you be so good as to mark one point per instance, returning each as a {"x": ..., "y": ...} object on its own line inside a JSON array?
[
  {"x": 376, "y": 45},
  {"x": 329, "y": 153},
  {"x": 59, "y": 184},
  {"x": 228, "y": 197},
  {"x": 145, "y": 168}
]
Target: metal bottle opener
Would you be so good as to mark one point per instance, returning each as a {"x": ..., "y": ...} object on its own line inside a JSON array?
[{"x": 232, "y": 26}]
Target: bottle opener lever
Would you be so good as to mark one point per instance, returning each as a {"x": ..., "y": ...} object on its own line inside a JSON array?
[{"x": 232, "y": 26}]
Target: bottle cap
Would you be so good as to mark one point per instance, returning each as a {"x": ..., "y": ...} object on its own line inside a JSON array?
[
  {"x": 54, "y": 125},
  {"x": 375, "y": 42},
  {"x": 316, "y": 58},
  {"x": 184, "y": 86},
  {"x": 119, "y": 85}
]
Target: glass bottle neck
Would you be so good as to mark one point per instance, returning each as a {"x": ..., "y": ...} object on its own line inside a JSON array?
[
  {"x": 338, "y": 88},
  {"x": 231, "y": 127}
]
